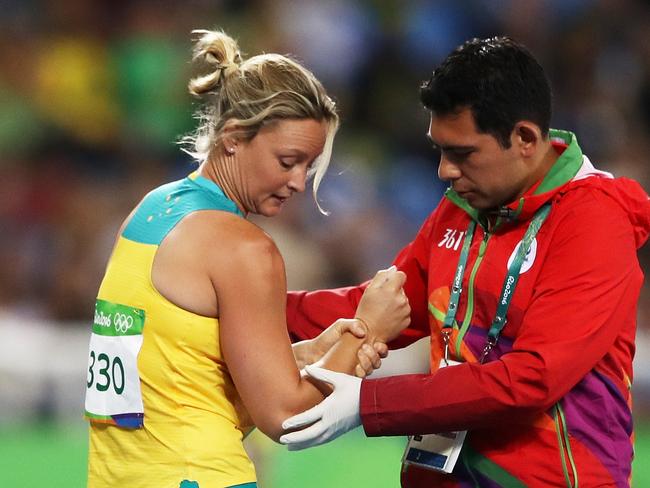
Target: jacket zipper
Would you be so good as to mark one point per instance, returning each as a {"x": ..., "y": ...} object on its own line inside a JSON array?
[{"x": 564, "y": 446}]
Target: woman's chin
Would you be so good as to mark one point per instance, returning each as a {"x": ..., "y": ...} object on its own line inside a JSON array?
[{"x": 270, "y": 211}]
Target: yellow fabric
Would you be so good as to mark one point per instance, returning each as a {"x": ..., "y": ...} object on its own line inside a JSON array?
[{"x": 194, "y": 420}]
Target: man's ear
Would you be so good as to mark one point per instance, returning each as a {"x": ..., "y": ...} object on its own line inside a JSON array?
[{"x": 527, "y": 136}]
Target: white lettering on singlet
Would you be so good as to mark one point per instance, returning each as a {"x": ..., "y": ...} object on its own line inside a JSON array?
[{"x": 103, "y": 320}]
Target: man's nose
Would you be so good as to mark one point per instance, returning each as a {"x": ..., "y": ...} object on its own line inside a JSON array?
[{"x": 448, "y": 171}]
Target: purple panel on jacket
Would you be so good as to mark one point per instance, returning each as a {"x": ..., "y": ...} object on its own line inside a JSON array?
[{"x": 598, "y": 416}]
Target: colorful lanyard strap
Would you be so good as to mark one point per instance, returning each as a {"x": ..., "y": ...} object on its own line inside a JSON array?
[
  {"x": 456, "y": 289},
  {"x": 507, "y": 290}
]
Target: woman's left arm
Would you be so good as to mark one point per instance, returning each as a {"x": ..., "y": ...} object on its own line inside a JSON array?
[{"x": 247, "y": 272}]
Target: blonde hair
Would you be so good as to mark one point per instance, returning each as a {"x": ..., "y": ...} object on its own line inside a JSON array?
[{"x": 252, "y": 93}]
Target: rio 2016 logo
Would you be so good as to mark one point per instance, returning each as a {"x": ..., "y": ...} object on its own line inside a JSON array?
[{"x": 123, "y": 322}]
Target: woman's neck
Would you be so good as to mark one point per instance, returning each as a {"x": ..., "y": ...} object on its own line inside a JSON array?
[{"x": 222, "y": 171}]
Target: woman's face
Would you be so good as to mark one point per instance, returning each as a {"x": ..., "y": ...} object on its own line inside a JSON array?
[{"x": 274, "y": 164}]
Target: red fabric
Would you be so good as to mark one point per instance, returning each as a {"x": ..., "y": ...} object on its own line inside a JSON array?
[
  {"x": 580, "y": 311},
  {"x": 573, "y": 312}
]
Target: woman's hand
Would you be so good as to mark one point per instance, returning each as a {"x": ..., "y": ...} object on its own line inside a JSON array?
[
  {"x": 384, "y": 308},
  {"x": 312, "y": 350}
]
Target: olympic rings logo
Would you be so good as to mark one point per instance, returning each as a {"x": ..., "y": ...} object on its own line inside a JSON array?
[{"x": 123, "y": 322}]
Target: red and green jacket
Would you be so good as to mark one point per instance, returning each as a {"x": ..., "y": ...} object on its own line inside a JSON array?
[{"x": 550, "y": 405}]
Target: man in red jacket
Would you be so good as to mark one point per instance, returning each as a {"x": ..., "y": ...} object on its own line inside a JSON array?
[{"x": 526, "y": 274}]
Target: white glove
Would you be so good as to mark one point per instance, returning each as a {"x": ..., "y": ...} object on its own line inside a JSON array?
[{"x": 334, "y": 416}]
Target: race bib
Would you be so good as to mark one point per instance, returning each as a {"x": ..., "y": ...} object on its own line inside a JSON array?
[
  {"x": 113, "y": 384},
  {"x": 437, "y": 452}
]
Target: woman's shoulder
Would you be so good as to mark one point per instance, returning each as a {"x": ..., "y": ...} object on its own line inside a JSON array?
[{"x": 229, "y": 234}]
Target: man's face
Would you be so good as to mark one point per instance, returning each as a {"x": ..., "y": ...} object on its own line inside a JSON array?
[{"x": 479, "y": 169}]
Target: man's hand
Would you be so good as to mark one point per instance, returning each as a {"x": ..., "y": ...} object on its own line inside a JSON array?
[
  {"x": 369, "y": 357},
  {"x": 335, "y": 415}
]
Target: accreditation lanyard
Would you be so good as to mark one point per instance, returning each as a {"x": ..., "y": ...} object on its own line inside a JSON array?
[{"x": 507, "y": 289}]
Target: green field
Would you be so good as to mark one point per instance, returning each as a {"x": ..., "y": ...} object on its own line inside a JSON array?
[{"x": 55, "y": 456}]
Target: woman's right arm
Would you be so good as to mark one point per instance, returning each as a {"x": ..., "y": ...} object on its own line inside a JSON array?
[{"x": 248, "y": 275}]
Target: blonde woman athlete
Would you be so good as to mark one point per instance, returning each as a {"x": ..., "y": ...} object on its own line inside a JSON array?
[{"x": 189, "y": 346}]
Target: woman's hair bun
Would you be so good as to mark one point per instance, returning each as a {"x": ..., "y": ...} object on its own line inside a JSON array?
[{"x": 220, "y": 52}]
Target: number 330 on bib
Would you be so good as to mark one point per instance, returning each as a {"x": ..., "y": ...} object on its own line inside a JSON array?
[{"x": 113, "y": 384}]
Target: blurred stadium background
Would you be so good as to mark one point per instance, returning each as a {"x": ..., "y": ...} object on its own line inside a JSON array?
[{"x": 93, "y": 98}]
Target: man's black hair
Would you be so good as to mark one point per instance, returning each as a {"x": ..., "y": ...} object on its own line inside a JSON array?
[{"x": 498, "y": 79}]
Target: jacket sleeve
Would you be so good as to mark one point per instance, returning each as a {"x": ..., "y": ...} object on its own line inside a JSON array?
[
  {"x": 308, "y": 313},
  {"x": 582, "y": 316}
]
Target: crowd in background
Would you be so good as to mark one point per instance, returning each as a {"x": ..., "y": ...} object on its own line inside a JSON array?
[{"x": 93, "y": 100}]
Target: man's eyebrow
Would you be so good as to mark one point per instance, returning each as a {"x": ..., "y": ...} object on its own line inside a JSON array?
[{"x": 452, "y": 148}]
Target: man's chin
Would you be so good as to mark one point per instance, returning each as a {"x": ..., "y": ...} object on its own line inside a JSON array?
[{"x": 472, "y": 199}]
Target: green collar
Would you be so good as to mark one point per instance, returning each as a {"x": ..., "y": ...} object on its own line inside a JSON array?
[{"x": 566, "y": 166}]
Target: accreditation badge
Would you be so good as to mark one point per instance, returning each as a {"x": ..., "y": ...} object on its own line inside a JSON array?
[
  {"x": 437, "y": 452},
  {"x": 113, "y": 393}
]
